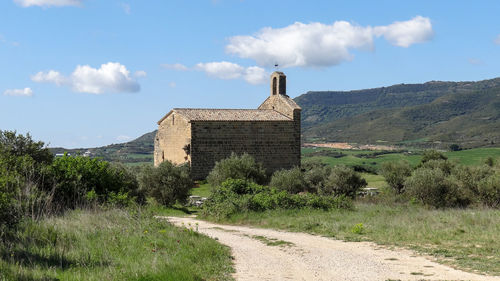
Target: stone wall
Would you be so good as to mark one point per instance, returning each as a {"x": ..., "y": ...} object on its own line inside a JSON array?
[
  {"x": 274, "y": 143},
  {"x": 174, "y": 133}
]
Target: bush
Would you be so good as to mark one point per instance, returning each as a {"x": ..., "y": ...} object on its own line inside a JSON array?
[
  {"x": 489, "y": 191},
  {"x": 343, "y": 181},
  {"x": 291, "y": 180},
  {"x": 237, "y": 167},
  {"x": 428, "y": 186},
  {"x": 74, "y": 177},
  {"x": 167, "y": 183},
  {"x": 444, "y": 165},
  {"x": 237, "y": 195},
  {"x": 315, "y": 175},
  {"x": 432, "y": 155},
  {"x": 395, "y": 174}
]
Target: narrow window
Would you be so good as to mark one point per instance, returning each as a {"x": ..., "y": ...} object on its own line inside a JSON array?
[
  {"x": 173, "y": 119},
  {"x": 275, "y": 86},
  {"x": 163, "y": 156}
]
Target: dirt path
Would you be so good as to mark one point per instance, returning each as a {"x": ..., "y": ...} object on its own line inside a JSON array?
[{"x": 264, "y": 254}]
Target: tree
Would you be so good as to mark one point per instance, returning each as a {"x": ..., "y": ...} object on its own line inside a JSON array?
[
  {"x": 395, "y": 174},
  {"x": 343, "y": 181}
]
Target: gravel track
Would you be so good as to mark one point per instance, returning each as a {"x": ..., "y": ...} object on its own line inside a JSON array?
[{"x": 265, "y": 254}]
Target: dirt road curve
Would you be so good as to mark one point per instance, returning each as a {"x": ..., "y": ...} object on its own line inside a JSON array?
[{"x": 263, "y": 254}]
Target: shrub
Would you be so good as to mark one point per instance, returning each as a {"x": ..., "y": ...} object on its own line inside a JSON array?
[
  {"x": 444, "y": 165},
  {"x": 290, "y": 180},
  {"x": 237, "y": 195},
  {"x": 237, "y": 167},
  {"x": 167, "y": 183},
  {"x": 395, "y": 174},
  {"x": 490, "y": 161},
  {"x": 343, "y": 181},
  {"x": 470, "y": 177},
  {"x": 489, "y": 191},
  {"x": 428, "y": 186},
  {"x": 74, "y": 177},
  {"x": 315, "y": 175},
  {"x": 432, "y": 155}
]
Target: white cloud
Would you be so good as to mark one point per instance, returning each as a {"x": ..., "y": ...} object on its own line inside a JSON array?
[
  {"x": 140, "y": 73},
  {"x": 497, "y": 40},
  {"x": 175, "y": 66},
  {"x": 229, "y": 70},
  {"x": 110, "y": 77},
  {"x": 319, "y": 45},
  {"x": 49, "y": 77},
  {"x": 26, "y": 92},
  {"x": 406, "y": 33},
  {"x": 48, "y": 3},
  {"x": 123, "y": 138},
  {"x": 221, "y": 70},
  {"x": 256, "y": 75}
]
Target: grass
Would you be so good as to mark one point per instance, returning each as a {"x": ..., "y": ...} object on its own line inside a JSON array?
[
  {"x": 377, "y": 181},
  {"x": 111, "y": 245},
  {"x": 468, "y": 239},
  {"x": 272, "y": 241},
  {"x": 203, "y": 190}
]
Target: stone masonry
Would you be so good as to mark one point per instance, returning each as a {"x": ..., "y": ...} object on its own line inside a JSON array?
[{"x": 201, "y": 137}]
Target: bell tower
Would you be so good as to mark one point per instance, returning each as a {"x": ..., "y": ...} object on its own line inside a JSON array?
[{"x": 278, "y": 83}]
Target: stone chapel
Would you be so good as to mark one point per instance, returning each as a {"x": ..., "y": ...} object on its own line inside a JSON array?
[{"x": 201, "y": 137}]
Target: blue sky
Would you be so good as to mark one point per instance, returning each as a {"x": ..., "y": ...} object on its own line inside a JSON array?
[{"x": 84, "y": 73}]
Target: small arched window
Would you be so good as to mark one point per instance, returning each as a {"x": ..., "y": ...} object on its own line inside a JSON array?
[{"x": 275, "y": 86}]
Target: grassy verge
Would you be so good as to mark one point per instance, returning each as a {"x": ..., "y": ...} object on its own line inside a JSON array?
[
  {"x": 111, "y": 245},
  {"x": 468, "y": 239}
]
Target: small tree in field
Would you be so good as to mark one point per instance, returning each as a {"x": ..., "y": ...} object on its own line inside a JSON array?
[
  {"x": 395, "y": 174},
  {"x": 343, "y": 181},
  {"x": 167, "y": 183},
  {"x": 290, "y": 180}
]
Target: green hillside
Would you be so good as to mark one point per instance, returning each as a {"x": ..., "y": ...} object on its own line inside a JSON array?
[
  {"x": 138, "y": 151},
  {"x": 432, "y": 114}
]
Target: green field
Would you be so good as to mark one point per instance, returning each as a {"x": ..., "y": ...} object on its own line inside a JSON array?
[{"x": 474, "y": 156}]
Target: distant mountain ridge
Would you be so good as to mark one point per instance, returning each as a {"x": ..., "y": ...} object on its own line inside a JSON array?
[{"x": 466, "y": 113}]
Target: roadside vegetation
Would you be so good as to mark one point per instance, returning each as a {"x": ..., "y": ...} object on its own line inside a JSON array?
[
  {"x": 434, "y": 204},
  {"x": 77, "y": 218}
]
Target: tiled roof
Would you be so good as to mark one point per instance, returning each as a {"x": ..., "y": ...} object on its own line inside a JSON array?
[{"x": 197, "y": 114}]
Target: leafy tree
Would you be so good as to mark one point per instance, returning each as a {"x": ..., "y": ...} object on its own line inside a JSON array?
[
  {"x": 315, "y": 174},
  {"x": 395, "y": 174},
  {"x": 15, "y": 144},
  {"x": 290, "y": 180},
  {"x": 167, "y": 183},
  {"x": 343, "y": 181},
  {"x": 432, "y": 155}
]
